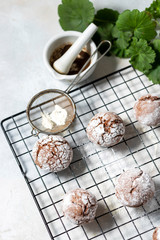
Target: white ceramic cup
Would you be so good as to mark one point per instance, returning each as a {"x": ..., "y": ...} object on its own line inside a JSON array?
[{"x": 57, "y": 41}]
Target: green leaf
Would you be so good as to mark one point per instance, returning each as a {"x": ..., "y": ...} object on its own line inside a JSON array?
[
  {"x": 75, "y": 15},
  {"x": 119, "y": 52},
  {"x": 154, "y": 73},
  {"x": 121, "y": 42},
  {"x": 105, "y": 20},
  {"x": 154, "y": 9},
  {"x": 104, "y": 32},
  {"x": 123, "y": 38},
  {"x": 141, "y": 55},
  {"x": 156, "y": 44},
  {"x": 106, "y": 15},
  {"x": 139, "y": 23}
]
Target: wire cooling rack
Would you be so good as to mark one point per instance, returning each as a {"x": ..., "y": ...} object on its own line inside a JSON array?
[{"x": 94, "y": 168}]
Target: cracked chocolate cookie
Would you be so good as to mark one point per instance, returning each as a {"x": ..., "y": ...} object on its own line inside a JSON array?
[
  {"x": 156, "y": 234},
  {"x": 52, "y": 153},
  {"x": 147, "y": 110},
  {"x": 79, "y": 206},
  {"x": 105, "y": 129},
  {"x": 134, "y": 188}
]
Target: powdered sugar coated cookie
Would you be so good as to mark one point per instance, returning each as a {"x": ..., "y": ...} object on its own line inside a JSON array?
[
  {"x": 105, "y": 129},
  {"x": 147, "y": 110},
  {"x": 52, "y": 153},
  {"x": 134, "y": 188},
  {"x": 79, "y": 206}
]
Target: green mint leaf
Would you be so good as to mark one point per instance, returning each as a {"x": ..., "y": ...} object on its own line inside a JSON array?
[
  {"x": 154, "y": 9},
  {"x": 141, "y": 55},
  {"x": 139, "y": 23},
  {"x": 75, "y": 15},
  {"x": 105, "y": 15},
  {"x": 122, "y": 38}
]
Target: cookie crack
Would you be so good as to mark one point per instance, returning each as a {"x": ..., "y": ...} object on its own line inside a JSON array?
[{"x": 135, "y": 187}]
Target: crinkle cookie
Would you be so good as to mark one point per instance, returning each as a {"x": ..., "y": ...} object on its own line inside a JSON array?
[
  {"x": 52, "y": 153},
  {"x": 79, "y": 206},
  {"x": 147, "y": 110},
  {"x": 105, "y": 129},
  {"x": 134, "y": 188}
]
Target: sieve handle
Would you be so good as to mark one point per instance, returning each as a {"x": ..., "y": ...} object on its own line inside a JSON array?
[
  {"x": 34, "y": 132},
  {"x": 78, "y": 77}
]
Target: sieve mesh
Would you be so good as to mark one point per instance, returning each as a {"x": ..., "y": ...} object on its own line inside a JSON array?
[{"x": 44, "y": 103}]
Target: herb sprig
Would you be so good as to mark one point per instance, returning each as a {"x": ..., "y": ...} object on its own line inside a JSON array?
[{"x": 133, "y": 33}]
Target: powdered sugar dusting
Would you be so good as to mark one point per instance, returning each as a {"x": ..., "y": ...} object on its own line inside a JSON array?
[
  {"x": 134, "y": 188},
  {"x": 79, "y": 206},
  {"x": 52, "y": 153},
  {"x": 151, "y": 119},
  {"x": 105, "y": 129},
  {"x": 147, "y": 110}
]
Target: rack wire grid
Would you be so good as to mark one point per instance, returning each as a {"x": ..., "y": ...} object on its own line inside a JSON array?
[{"x": 94, "y": 168}]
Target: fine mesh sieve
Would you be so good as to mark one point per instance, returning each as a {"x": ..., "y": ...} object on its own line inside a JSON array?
[{"x": 45, "y": 101}]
